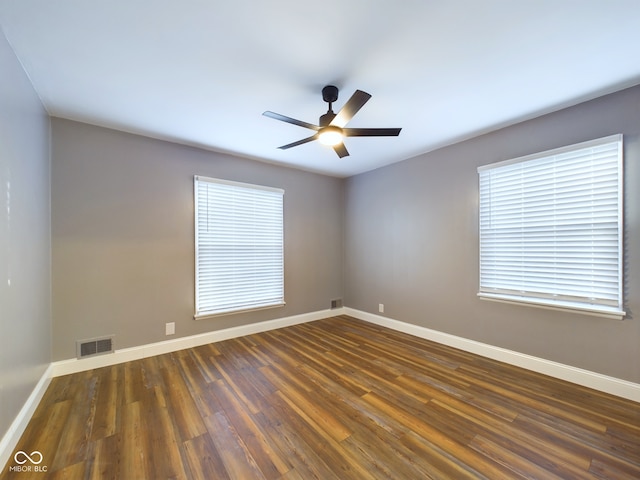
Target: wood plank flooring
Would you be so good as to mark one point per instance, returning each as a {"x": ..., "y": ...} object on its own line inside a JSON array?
[{"x": 333, "y": 399}]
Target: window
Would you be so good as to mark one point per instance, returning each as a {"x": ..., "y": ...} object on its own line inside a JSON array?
[
  {"x": 551, "y": 228},
  {"x": 239, "y": 246}
]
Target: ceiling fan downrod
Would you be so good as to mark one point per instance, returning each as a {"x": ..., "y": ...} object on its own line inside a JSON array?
[{"x": 329, "y": 95}]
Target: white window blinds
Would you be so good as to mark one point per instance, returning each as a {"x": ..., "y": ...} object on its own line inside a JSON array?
[
  {"x": 239, "y": 246},
  {"x": 551, "y": 227}
]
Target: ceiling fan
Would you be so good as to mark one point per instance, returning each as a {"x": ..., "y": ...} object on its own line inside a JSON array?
[{"x": 331, "y": 129}]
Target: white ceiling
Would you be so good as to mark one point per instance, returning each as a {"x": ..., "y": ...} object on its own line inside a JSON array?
[{"x": 201, "y": 72}]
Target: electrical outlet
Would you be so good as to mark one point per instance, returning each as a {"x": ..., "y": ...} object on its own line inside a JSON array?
[
  {"x": 381, "y": 307},
  {"x": 170, "y": 328}
]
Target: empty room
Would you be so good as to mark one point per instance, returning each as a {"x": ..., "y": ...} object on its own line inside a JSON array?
[{"x": 320, "y": 240}]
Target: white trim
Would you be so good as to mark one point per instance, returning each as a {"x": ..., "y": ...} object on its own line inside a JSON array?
[
  {"x": 205, "y": 316},
  {"x": 586, "y": 378},
  {"x": 75, "y": 365},
  {"x": 554, "y": 151},
  {"x": 19, "y": 424},
  {"x": 612, "y": 313},
  {"x": 232, "y": 183}
]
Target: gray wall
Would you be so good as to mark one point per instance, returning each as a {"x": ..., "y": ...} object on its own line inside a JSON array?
[
  {"x": 122, "y": 236},
  {"x": 122, "y": 226},
  {"x": 412, "y": 243},
  {"x": 25, "y": 279}
]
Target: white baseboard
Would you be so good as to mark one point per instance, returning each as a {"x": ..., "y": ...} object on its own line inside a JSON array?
[
  {"x": 74, "y": 365},
  {"x": 586, "y": 378},
  {"x": 16, "y": 429}
]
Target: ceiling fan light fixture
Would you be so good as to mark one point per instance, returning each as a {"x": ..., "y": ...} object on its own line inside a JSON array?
[
  {"x": 331, "y": 136},
  {"x": 331, "y": 129}
]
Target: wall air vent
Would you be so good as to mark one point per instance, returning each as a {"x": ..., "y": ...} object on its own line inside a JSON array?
[
  {"x": 95, "y": 346},
  {"x": 337, "y": 303}
]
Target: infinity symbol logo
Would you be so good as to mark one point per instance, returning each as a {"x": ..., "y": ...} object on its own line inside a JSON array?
[{"x": 25, "y": 457}]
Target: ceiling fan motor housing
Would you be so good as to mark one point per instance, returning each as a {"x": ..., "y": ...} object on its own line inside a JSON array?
[{"x": 326, "y": 118}]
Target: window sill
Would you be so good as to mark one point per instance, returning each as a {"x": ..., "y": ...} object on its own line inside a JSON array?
[
  {"x": 596, "y": 310},
  {"x": 204, "y": 316}
]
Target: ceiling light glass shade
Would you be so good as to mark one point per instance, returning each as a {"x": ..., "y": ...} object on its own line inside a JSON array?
[{"x": 330, "y": 136}]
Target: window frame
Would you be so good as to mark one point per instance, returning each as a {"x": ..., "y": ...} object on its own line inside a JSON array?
[
  {"x": 276, "y": 255},
  {"x": 566, "y": 304}
]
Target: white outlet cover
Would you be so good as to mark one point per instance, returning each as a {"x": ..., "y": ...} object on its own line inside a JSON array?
[{"x": 170, "y": 328}]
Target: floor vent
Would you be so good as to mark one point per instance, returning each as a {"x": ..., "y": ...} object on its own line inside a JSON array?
[
  {"x": 94, "y": 346},
  {"x": 337, "y": 303}
]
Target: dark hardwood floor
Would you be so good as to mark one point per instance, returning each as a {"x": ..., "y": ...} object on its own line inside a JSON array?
[{"x": 333, "y": 399}]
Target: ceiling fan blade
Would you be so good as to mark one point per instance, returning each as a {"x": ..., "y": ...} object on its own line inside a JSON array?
[
  {"x": 346, "y": 113},
  {"x": 299, "y": 142},
  {"x": 341, "y": 150},
  {"x": 371, "y": 132},
  {"x": 293, "y": 121}
]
